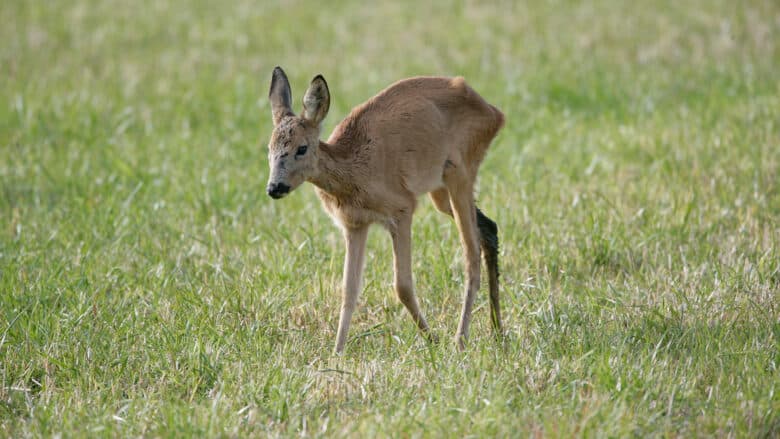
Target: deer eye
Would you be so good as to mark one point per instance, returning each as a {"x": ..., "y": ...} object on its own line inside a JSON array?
[{"x": 301, "y": 150}]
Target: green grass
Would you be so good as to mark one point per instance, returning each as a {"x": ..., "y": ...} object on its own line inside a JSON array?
[{"x": 148, "y": 287}]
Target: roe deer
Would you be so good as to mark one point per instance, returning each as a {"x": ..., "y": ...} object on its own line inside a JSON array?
[{"x": 419, "y": 135}]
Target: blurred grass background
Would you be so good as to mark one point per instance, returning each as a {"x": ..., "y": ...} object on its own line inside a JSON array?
[{"x": 150, "y": 288}]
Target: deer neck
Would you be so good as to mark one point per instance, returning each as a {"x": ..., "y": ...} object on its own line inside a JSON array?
[{"x": 335, "y": 173}]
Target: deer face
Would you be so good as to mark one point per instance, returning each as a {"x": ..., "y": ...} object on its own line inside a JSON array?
[
  {"x": 292, "y": 150},
  {"x": 292, "y": 155}
]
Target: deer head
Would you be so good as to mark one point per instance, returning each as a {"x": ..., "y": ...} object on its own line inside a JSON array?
[{"x": 294, "y": 144}]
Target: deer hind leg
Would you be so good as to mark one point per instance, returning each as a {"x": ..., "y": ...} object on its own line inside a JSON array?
[
  {"x": 461, "y": 188},
  {"x": 488, "y": 234},
  {"x": 441, "y": 200},
  {"x": 353, "y": 273},
  {"x": 401, "y": 233}
]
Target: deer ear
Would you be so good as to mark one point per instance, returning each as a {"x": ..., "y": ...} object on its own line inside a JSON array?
[
  {"x": 280, "y": 96},
  {"x": 316, "y": 101}
]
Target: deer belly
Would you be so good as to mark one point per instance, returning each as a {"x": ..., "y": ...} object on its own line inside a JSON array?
[{"x": 423, "y": 172}]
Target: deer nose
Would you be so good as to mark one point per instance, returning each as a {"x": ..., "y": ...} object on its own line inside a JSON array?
[{"x": 277, "y": 190}]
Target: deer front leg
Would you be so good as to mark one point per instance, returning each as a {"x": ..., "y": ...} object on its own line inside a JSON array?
[
  {"x": 353, "y": 273},
  {"x": 401, "y": 233}
]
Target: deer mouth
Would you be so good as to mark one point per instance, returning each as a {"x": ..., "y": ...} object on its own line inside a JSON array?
[{"x": 277, "y": 190}]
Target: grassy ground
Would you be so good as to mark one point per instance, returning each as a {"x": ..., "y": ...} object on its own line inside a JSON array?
[{"x": 148, "y": 287}]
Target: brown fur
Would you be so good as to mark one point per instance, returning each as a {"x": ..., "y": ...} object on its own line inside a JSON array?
[{"x": 420, "y": 135}]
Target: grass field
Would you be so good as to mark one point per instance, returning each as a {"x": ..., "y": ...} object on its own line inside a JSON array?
[{"x": 149, "y": 287}]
